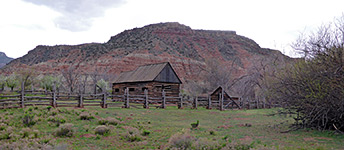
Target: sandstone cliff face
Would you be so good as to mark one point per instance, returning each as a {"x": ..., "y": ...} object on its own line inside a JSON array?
[
  {"x": 186, "y": 49},
  {"x": 4, "y": 59}
]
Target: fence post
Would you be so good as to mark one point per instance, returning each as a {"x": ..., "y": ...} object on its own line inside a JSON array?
[
  {"x": 180, "y": 106},
  {"x": 126, "y": 95},
  {"x": 54, "y": 96},
  {"x": 195, "y": 102},
  {"x": 104, "y": 100},
  {"x": 209, "y": 102},
  {"x": 81, "y": 101},
  {"x": 22, "y": 95},
  {"x": 145, "y": 105},
  {"x": 163, "y": 99},
  {"x": 221, "y": 100}
]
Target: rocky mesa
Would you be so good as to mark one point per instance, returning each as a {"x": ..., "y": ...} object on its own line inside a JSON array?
[{"x": 185, "y": 48}]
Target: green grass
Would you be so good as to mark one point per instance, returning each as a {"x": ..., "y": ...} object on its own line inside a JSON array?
[{"x": 238, "y": 129}]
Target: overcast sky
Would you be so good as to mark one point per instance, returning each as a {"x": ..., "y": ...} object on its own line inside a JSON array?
[{"x": 272, "y": 24}]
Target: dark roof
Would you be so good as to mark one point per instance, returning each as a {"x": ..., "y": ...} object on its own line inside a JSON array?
[
  {"x": 151, "y": 72},
  {"x": 225, "y": 92}
]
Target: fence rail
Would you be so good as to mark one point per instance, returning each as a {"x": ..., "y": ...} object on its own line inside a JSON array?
[{"x": 104, "y": 100}]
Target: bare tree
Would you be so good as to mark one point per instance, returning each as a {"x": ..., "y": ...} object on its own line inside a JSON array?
[
  {"x": 71, "y": 76},
  {"x": 314, "y": 87}
]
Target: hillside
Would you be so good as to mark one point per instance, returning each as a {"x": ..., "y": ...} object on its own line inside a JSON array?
[
  {"x": 4, "y": 59},
  {"x": 186, "y": 49}
]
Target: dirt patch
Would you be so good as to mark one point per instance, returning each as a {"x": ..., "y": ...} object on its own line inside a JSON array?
[
  {"x": 88, "y": 135},
  {"x": 225, "y": 126}
]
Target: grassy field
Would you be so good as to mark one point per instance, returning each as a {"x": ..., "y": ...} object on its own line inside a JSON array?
[{"x": 75, "y": 128}]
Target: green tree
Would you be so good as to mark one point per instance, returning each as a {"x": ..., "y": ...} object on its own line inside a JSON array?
[
  {"x": 48, "y": 81},
  {"x": 12, "y": 82}
]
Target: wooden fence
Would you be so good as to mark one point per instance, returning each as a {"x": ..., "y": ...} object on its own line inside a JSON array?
[{"x": 104, "y": 100}]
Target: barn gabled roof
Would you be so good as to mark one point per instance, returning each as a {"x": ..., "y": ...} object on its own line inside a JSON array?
[
  {"x": 224, "y": 91},
  {"x": 162, "y": 72}
]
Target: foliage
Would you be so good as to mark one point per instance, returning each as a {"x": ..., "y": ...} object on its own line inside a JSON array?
[
  {"x": 102, "y": 130},
  {"x": 181, "y": 141},
  {"x": 313, "y": 88},
  {"x": 28, "y": 120},
  {"x": 102, "y": 85},
  {"x": 195, "y": 125},
  {"x": 86, "y": 116},
  {"x": 47, "y": 82},
  {"x": 65, "y": 130},
  {"x": 11, "y": 82},
  {"x": 132, "y": 134}
]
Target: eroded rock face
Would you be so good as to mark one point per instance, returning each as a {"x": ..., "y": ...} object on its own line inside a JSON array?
[
  {"x": 186, "y": 49},
  {"x": 4, "y": 59}
]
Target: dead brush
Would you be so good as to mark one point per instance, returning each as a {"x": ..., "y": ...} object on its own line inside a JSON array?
[{"x": 65, "y": 130}]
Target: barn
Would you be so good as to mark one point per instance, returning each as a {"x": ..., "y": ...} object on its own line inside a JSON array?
[
  {"x": 153, "y": 77},
  {"x": 228, "y": 101}
]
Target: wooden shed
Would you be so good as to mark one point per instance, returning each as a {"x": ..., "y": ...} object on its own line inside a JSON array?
[
  {"x": 224, "y": 99},
  {"x": 153, "y": 77}
]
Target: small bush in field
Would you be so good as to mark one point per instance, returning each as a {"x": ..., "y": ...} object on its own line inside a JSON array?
[
  {"x": 113, "y": 121},
  {"x": 58, "y": 119},
  {"x": 181, "y": 141},
  {"x": 28, "y": 120},
  {"x": 132, "y": 134},
  {"x": 109, "y": 121},
  {"x": 25, "y": 132},
  {"x": 102, "y": 130},
  {"x": 65, "y": 130},
  {"x": 145, "y": 132},
  {"x": 212, "y": 132},
  {"x": 102, "y": 121},
  {"x": 204, "y": 143},
  {"x": 86, "y": 116}
]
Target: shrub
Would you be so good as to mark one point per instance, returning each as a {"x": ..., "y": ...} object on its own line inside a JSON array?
[
  {"x": 58, "y": 119},
  {"x": 28, "y": 120},
  {"x": 86, "y": 116},
  {"x": 102, "y": 130},
  {"x": 113, "y": 121},
  {"x": 102, "y": 121},
  {"x": 204, "y": 143},
  {"x": 212, "y": 132},
  {"x": 132, "y": 134},
  {"x": 65, "y": 130},
  {"x": 109, "y": 121},
  {"x": 181, "y": 141},
  {"x": 25, "y": 132},
  {"x": 145, "y": 132}
]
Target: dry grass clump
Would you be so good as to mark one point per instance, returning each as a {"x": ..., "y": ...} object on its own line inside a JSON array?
[
  {"x": 58, "y": 119},
  {"x": 109, "y": 121},
  {"x": 181, "y": 141},
  {"x": 132, "y": 134},
  {"x": 65, "y": 130},
  {"x": 187, "y": 141},
  {"x": 86, "y": 116},
  {"x": 102, "y": 130}
]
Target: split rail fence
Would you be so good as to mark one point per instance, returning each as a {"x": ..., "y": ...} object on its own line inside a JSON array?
[{"x": 104, "y": 100}]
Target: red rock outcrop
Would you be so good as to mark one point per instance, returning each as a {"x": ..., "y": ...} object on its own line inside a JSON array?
[{"x": 186, "y": 49}]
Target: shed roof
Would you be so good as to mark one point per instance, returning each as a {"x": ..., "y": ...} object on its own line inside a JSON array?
[{"x": 151, "y": 72}]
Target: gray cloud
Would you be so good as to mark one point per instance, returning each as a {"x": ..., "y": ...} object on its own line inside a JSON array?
[{"x": 77, "y": 15}]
